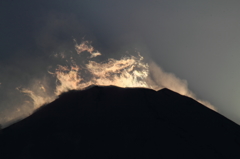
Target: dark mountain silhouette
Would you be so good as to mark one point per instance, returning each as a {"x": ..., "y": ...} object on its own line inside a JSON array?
[{"x": 111, "y": 122}]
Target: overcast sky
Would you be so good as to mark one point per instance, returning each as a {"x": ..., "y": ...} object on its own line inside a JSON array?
[{"x": 197, "y": 40}]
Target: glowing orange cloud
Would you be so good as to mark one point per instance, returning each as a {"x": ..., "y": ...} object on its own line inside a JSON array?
[{"x": 126, "y": 72}]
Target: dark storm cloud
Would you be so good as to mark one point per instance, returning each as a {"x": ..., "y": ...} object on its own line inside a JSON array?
[{"x": 34, "y": 31}]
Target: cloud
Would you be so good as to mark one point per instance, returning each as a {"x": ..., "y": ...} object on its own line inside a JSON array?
[
  {"x": 161, "y": 79},
  {"x": 54, "y": 35}
]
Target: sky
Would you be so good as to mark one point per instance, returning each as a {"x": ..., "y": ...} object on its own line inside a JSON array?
[{"x": 197, "y": 41}]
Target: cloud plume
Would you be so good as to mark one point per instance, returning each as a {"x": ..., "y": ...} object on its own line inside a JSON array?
[{"x": 162, "y": 79}]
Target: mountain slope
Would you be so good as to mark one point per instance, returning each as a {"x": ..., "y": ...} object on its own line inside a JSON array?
[{"x": 112, "y": 122}]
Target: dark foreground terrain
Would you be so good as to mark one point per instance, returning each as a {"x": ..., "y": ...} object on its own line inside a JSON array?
[{"x": 112, "y": 122}]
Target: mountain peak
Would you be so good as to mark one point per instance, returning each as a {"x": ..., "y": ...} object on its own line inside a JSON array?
[{"x": 113, "y": 122}]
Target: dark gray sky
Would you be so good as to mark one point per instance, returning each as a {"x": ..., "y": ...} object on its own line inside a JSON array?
[{"x": 196, "y": 40}]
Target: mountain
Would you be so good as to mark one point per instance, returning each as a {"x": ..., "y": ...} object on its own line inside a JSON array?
[{"x": 112, "y": 122}]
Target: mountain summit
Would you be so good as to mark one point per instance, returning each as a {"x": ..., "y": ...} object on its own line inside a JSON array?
[{"x": 112, "y": 122}]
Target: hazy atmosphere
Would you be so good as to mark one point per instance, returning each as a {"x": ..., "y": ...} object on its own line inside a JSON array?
[{"x": 189, "y": 46}]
